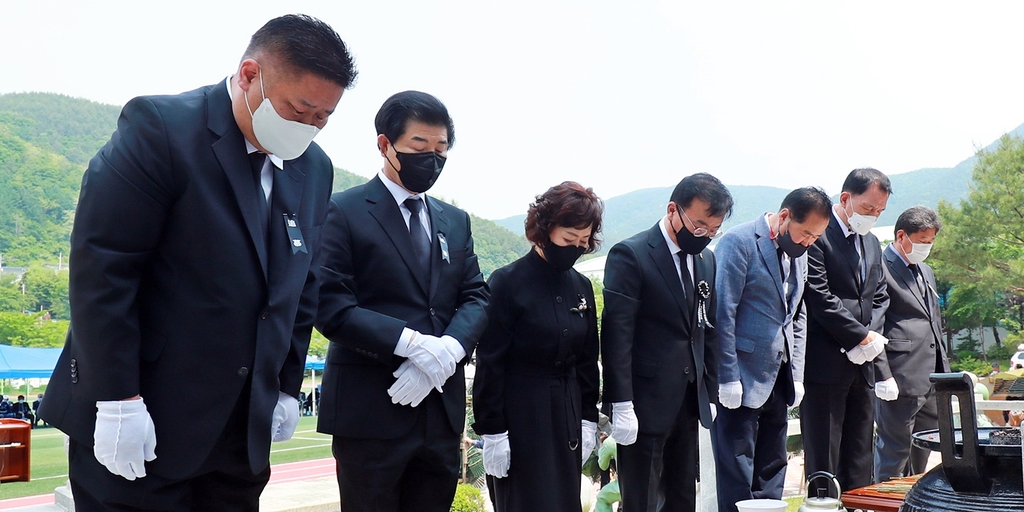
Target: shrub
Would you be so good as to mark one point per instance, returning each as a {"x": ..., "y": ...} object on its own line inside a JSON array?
[
  {"x": 971, "y": 364},
  {"x": 467, "y": 499}
]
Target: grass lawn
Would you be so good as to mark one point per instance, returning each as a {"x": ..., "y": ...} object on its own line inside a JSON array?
[{"x": 50, "y": 465}]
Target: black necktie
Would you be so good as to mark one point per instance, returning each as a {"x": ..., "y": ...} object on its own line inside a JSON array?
[
  {"x": 921, "y": 287},
  {"x": 257, "y": 160},
  {"x": 420, "y": 242},
  {"x": 687, "y": 280},
  {"x": 856, "y": 251}
]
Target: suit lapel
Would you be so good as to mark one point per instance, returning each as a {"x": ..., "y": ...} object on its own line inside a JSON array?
[
  {"x": 230, "y": 152},
  {"x": 441, "y": 228},
  {"x": 769, "y": 255},
  {"x": 835, "y": 235},
  {"x": 663, "y": 260},
  {"x": 386, "y": 211}
]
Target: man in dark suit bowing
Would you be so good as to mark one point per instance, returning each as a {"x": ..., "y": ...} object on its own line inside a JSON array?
[
  {"x": 913, "y": 325},
  {"x": 846, "y": 301},
  {"x": 402, "y": 301},
  {"x": 659, "y": 346},
  {"x": 192, "y": 275}
]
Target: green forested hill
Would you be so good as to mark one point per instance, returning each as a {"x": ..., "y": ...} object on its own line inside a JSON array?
[{"x": 71, "y": 127}]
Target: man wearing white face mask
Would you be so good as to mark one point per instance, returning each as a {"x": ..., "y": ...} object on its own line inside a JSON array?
[
  {"x": 194, "y": 245},
  {"x": 913, "y": 325},
  {"x": 846, "y": 301}
]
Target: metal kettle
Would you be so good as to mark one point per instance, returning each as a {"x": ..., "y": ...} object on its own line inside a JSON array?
[{"x": 823, "y": 503}]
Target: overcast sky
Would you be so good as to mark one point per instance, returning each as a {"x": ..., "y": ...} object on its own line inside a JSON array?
[{"x": 616, "y": 95}]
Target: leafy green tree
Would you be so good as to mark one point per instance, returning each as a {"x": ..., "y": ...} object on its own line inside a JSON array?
[
  {"x": 47, "y": 290},
  {"x": 32, "y": 330}
]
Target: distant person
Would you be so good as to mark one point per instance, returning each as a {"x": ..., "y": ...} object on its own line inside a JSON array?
[
  {"x": 536, "y": 385},
  {"x": 35, "y": 409},
  {"x": 6, "y": 408},
  {"x": 192, "y": 276},
  {"x": 22, "y": 410},
  {"x": 762, "y": 267},
  {"x": 659, "y": 346},
  {"x": 913, "y": 325},
  {"x": 403, "y": 303},
  {"x": 846, "y": 301}
]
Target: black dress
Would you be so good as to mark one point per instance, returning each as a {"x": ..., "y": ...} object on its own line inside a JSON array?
[{"x": 537, "y": 378}]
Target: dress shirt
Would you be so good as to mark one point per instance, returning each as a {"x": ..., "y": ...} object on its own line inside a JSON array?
[
  {"x": 674, "y": 249},
  {"x": 267, "y": 176}
]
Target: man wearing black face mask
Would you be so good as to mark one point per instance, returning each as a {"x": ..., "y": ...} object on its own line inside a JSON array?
[
  {"x": 403, "y": 302},
  {"x": 659, "y": 346},
  {"x": 762, "y": 266}
]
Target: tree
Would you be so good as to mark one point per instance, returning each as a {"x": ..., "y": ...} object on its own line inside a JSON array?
[{"x": 980, "y": 250}]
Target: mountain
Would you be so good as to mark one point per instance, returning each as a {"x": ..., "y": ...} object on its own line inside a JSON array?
[
  {"x": 636, "y": 211},
  {"x": 46, "y": 142}
]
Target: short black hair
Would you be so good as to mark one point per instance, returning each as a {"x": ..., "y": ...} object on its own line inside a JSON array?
[
  {"x": 916, "y": 219},
  {"x": 860, "y": 180},
  {"x": 304, "y": 43},
  {"x": 566, "y": 205},
  {"x": 804, "y": 201},
  {"x": 707, "y": 188},
  {"x": 397, "y": 111}
]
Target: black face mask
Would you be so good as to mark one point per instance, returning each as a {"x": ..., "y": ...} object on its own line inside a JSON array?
[
  {"x": 419, "y": 171},
  {"x": 786, "y": 243},
  {"x": 562, "y": 257},
  {"x": 689, "y": 243}
]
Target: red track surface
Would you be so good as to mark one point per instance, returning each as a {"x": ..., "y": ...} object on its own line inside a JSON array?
[{"x": 279, "y": 474}]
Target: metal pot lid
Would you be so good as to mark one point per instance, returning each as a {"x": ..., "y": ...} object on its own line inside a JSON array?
[{"x": 929, "y": 439}]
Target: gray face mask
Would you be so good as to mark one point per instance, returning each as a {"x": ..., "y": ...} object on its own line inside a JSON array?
[{"x": 283, "y": 138}]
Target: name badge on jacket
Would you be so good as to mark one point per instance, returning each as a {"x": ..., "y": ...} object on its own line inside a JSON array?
[{"x": 291, "y": 223}]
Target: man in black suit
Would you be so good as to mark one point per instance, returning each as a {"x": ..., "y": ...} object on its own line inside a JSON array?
[
  {"x": 913, "y": 325},
  {"x": 192, "y": 275},
  {"x": 846, "y": 301},
  {"x": 659, "y": 346},
  {"x": 403, "y": 302}
]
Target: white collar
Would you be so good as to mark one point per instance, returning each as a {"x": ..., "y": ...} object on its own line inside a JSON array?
[{"x": 397, "y": 191}]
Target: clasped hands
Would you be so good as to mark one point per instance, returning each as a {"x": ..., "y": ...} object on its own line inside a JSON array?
[
  {"x": 431, "y": 361},
  {"x": 872, "y": 346}
]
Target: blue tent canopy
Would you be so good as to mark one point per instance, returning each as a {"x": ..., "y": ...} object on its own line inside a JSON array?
[
  {"x": 314, "y": 364},
  {"x": 26, "y": 363}
]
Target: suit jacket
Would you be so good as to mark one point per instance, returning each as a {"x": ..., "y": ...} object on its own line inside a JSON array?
[
  {"x": 174, "y": 293},
  {"x": 842, "y": 307},
  {"x": 370, "y": 293},
  {"x": 652, "y": 344},
  {"x": 756, "y": 322},
  {"x": 914, "y": 328}
]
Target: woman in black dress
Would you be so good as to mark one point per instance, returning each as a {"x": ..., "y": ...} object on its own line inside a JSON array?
[{"x": 536, "y": 385}]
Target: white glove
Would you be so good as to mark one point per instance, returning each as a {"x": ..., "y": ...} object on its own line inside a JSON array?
[
  {"x": 286, "y": 418},
  {"x": 730, "y": 394},
  {"x": 588, "y": 439},
  {"x": 856, "y": 355},
  {"x": 714, "y": 411},
  {"x": 624, "y": 423},
  {"x": 874, "y": 347},
  {"x": 497, "y": 454},
  {"x": 432, "y": 355},
  {"x": 412, "y": 385},
  {"x": 124, "y": 437},
  {"x": 798, "y": 393},
  {"x": 887, "y": 390}
]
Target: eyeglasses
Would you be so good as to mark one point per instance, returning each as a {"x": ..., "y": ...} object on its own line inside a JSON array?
[{"x": 697, "y": 230}]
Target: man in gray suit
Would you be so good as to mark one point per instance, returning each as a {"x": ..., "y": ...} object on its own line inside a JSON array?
[
  {"x": 906, "y": 399},
  {"x": 762, "y": 266}
]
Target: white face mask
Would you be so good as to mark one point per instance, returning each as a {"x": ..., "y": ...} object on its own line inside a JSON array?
[
  {"x": 918, "y": 252},
  {"x": 285, "y": 139},
  {"x": 861, "y": 224}
]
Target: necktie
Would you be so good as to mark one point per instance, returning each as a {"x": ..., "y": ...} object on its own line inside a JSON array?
[
  {"x": 921, "y": 287},
  {"x": 257, "y": 160},
  {"x": 687, "y": 279},
  {"x": 785, "y": 288},
  {"x": 420, "y": 242},
  {"x": 856, "y": 251}
]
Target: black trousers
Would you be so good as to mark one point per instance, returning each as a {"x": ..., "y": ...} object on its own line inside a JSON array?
[
  {"x": 415, "y": 472},
  {"x": 897, "y": 421},
  {"x": 658, "y": 473},
  {"x": 750, "y": 450},
  {"x": 836, "y": 422},
  {"x": 224, "y": 482}
]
